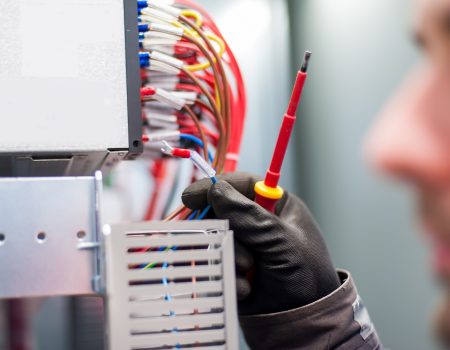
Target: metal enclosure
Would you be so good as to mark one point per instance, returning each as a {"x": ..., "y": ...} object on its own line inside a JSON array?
[
  {"x": 170, "y": 285},
  {"x": 69, "y": 86},
  {"x": 48, "y": 236}
]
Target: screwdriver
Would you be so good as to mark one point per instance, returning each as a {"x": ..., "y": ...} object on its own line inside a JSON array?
[{"x": 268, "y": 192}]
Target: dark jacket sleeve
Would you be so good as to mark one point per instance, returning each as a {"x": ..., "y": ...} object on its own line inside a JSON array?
[{"x": 337, "y": 321}]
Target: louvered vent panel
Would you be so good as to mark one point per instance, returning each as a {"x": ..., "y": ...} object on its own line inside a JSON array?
[{"x": 171, "y": 286}]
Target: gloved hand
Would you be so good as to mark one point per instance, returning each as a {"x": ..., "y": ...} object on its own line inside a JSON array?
[{"x": 286, "y": 251}]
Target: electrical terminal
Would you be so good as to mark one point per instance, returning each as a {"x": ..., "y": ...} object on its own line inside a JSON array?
[
  {"x": 189, "y": 96},
  {"x": 166, "y": 85},
  {"x": 170, "y": 99},
  {"x": 170, "y": 60},
  {"x": 161, "y": 77},
  {"x": 162, "y": 43},
  {"x": 166, "y": 29},
  {"x": 163, "y": 96},
  {"x": 143, "y": 27},
  {"x": 167, "y": 118},
  {"x": 158, "y": 61},
  {"x": 152, "y": 36},
  {"x": 144, "y": 3},
  {"x": 161, "y": 6},
  {"x": 161, "y": 121},
  {"x": 168, "y": 82},
  {"x": 153, "y": 14},
  {"x": 198, "y": 161},
  {"x": 165, "y": 45},
  {"x": 161, "y": 136},
  {"x": 147, "y": 91},
  {"x": 162, "y": 67},
  {"x": 162, "y": 124}
]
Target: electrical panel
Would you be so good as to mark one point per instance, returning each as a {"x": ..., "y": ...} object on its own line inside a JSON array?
[{"x": 69, "y": 86}]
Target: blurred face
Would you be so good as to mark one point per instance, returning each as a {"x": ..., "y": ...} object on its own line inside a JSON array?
[{"x": 411, "y": 138}]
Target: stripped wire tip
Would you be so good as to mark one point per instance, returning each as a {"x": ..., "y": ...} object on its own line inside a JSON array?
[{"x": 305, "y": 63}]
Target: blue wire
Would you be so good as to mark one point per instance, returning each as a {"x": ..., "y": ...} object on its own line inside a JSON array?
[
  {"x": 192, "y": 216},
  {"x": 203, "y": 213},
  {"x": 197, "y": 141}
]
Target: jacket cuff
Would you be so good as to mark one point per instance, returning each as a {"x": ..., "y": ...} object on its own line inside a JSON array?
[{"x": 338, "y": 321}]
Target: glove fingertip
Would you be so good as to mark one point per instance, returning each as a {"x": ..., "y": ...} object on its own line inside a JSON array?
[
  {"x": 243, "y": 288},
  {"x": 195, "y": 196},
  {"x": 221, "y": 191}
]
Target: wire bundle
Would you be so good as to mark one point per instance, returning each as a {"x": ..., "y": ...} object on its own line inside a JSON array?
[{"x": 192, "y": 92}]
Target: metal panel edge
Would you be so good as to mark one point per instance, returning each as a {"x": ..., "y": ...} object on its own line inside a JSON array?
[
  {"x": 133, "y": 79},
  {"x": 231, "y": 318}
]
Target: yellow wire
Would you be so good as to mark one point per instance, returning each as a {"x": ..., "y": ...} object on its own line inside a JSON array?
[
  {"x": 150, "y": 265},
  {"x": 196, "y": 15},
  {"x": 210, "y": 36},
  {"x": 206, "y": 64}
]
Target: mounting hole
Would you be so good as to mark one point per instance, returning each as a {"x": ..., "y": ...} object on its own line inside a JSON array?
[
  {"x": 2, "y": 238},
  {"x": 81, "y": 235},
  {"x": 41, "y": 237},
  {"x": 136, "y": 143}
]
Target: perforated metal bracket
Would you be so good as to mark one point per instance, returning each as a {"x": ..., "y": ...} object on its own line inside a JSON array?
[
  {"x": 170, "y": 285},
  {"x": 49, "y": 236}
]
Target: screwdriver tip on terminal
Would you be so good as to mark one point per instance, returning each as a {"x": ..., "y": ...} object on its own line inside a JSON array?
[{"x": 305, "y": 64}]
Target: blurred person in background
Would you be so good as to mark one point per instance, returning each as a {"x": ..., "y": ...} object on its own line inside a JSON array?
[{"x": 290, "y": 295}]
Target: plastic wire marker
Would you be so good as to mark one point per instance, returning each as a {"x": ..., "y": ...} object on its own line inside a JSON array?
[{"x": 268, "y": 192}]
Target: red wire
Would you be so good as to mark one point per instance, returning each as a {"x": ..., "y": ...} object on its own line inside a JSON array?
[
  {"x": 158, "y": 172},
  {"x": 193, "y": 131},
  {"x": 190, "y": 54},
  {"x": 239, "y": 105},
  {"x": 188, "y": 87}
]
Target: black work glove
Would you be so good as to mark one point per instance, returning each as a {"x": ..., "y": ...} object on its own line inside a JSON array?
[{"x": 286, "y": 252}]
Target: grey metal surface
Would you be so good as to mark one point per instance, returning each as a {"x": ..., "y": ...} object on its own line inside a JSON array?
[
  {"x": 133, "y": 79},
  {"x": 187, "y": 295},
  {"x": 58, "y": 164},
  {"x": 48, "y": 232}
]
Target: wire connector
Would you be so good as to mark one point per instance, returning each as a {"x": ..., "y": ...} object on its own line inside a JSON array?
[
  {"x": 161, "y": 57},
  {"x": 162, "y": 136},
  {"x": 170, "y": 99},
  {"x": 196, "y": 158},
  {"x": 166, "y": 29},
  {"x": 161, "y": 6}
]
